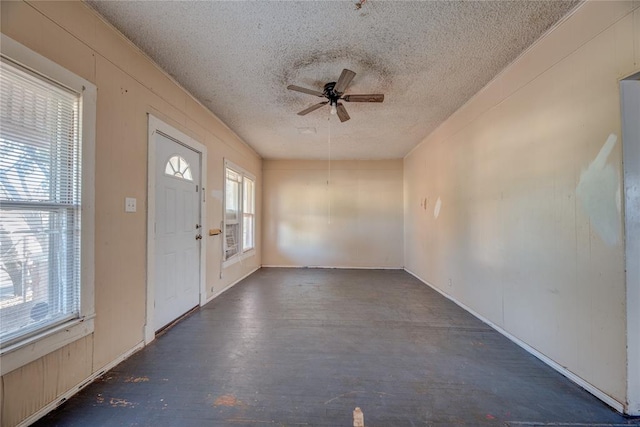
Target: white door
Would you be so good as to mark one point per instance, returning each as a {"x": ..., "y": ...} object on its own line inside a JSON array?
[{"x": 177, "y": 230}]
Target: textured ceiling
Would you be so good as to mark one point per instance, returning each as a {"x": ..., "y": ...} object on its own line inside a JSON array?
[{"x": 427, "y": 57}]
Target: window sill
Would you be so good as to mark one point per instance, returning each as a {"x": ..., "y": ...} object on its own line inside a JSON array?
[
  {"x": 239, "y": 257},
  {"x": 37, "y": 346}
]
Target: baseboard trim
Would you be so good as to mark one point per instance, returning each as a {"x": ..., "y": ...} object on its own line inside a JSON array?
[
  {"x": 550, "y": 362},
  {"x": 217, "y": 294},
  {"x": 65, "y": 396},
  {"x": 328, "y": 267}
]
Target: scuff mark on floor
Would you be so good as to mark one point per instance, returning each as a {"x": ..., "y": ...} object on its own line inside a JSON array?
[
  {"x": 121, "y": 403},
  {"x": 136, "y": 379},
  {"x": 250, "y": 421},
  {"x": 355, "y": 392},
  {"x": 106, "y": 378},
  {"x": 227, "y": 400}
]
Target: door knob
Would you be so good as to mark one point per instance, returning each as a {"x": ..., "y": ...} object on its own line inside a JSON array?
[{"x": 198, "y": 236}]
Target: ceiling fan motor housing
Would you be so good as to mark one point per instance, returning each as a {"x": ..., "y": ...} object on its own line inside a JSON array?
[{"x": 331, "y": 94}]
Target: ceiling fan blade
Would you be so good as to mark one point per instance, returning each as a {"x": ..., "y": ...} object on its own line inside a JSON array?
[
  {"x": 342, "y": 113},
  {"x": 376, "y": 97},
  {"x": 305, "y": 90},
  {"x": 344, "y": 80},
  {"x": 312, "y": 108}
]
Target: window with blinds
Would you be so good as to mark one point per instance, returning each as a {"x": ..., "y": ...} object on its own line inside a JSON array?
[
  {"x": 239, "y": 206},
  {"x": 40, "y": 203}
]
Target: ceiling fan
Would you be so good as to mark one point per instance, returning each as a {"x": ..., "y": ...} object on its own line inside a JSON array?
[{"x": 334, "y": 92}]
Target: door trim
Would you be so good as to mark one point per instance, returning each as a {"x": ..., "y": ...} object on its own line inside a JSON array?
[
  {"x": 630, "y": 109},
  {"x": 157, "y": 125}
]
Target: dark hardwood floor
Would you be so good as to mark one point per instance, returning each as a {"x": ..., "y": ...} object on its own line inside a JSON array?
[{"x": 304, "y": 347}]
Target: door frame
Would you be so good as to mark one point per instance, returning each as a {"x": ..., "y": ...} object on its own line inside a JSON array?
[
  {"x": 630, "y": 110},
  {"x": 158, "y": 126}
]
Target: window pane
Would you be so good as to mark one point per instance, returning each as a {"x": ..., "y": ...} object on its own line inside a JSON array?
[
  {"x": 249, "y": 196},
  {"x": 232, "y": 213},
  {"x": 178, "y": 167},
  {"x": 239, "y": 222},
  {"x": 39, "y": 140},
  {"x": 38, "y": 270},
  {"x": 39, "y": 204},
  {"x": 232, "y": 232},
  {"x": 232, "y": 199},
  {"x": 247, "y": 232},
  {"x": 248, "y": 224}
]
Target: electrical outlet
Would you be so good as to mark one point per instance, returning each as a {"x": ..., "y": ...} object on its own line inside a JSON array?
[{"x": 129, "y": 204}]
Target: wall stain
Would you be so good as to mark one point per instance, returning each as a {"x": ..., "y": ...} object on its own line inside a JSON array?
[{"x": 321, "y": 66}]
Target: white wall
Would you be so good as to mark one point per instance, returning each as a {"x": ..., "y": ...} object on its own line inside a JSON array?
[
  {"x": 356, "y": 221},
  {"x": 528, "y": 174}
]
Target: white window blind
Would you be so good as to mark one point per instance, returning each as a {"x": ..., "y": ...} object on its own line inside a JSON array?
[{"x": 40, "y": 206}]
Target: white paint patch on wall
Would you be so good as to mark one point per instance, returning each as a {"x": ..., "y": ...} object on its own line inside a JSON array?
[
  {"x": 436, "y": 209},
  {"x": 599, "y": 192}
]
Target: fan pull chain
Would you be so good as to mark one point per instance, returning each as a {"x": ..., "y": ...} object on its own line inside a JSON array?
[{"x": 329, "y": 173}]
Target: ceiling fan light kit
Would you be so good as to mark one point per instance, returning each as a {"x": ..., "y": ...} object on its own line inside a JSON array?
[{"x": 334, "y": 92}]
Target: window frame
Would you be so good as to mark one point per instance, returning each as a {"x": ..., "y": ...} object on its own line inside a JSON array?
[
  {"x": 241, "y": 253},
  {"x": 36, "y": 345}
]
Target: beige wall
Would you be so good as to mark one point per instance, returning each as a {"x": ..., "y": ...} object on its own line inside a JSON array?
[
  {"x": 528, "y": 173},
  {"x": 129, "y": 86},
  {"x": 356, "y": 221}
]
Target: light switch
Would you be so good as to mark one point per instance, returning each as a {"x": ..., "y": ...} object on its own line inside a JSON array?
[{"x": 130, "y": 204}]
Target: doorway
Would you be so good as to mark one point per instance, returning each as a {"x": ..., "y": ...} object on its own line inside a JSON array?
[
  {"x": 176, "y": 214},
  {"x": 630, "y": 99}
]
